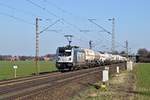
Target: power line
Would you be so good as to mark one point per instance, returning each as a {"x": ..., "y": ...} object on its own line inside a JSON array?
[
  {"x": 103, "y": 29},
  {"x": 73, "y": 25},
  {"x": 59, "y": 8},
  {"x": 78, "y": 38},
  {"x": 45, "y": 9},
  {"x": 69, "y": 13},
  {"x": 20, "y": 10},
  {"x": 117, "y": 44},
  {"x": 63, "y": 10},
  {"x": 60, "y": 32},
  {"x": 16, "y": 18},
  {"x": 49, "y": 26},
  {"x": 7, "y": 6},
  {"x": 110, "y": 33},
  {"x": 121, "y": 45}
]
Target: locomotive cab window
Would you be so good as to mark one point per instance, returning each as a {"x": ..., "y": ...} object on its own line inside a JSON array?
[{"x": 63, "y": 52}]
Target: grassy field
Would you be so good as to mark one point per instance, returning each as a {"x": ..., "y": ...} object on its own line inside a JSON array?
[
  {"x": 142, "y": 72},
  {"x": 143, "y": 75},
  {"x": 25, "y": 68}
]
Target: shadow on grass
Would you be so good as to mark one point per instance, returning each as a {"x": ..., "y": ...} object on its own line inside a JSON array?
[
  {"x": 96, "y": 86},
  {"x": 145, "y": 93},
  {"x": 42, "y": 73}
]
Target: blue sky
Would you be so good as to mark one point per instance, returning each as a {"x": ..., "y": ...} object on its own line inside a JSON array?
[{"x": 17, "y": 31}]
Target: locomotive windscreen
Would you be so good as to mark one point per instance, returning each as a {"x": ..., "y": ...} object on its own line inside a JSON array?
[{"x": 64, "y": 52}]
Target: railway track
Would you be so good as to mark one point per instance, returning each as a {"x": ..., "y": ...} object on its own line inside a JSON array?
[
  {"x": 25, "y": 79},
  {"x": 31, "y": 86},
  {"x": 20, "y": 87}
]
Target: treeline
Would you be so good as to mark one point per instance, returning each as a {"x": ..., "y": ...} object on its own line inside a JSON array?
[
  {"x": 143, "y": 55},
  {"x": 46, "y": 57}
]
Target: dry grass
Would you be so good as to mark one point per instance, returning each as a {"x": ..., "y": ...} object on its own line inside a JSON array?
[{"x": 119, "y": 88}]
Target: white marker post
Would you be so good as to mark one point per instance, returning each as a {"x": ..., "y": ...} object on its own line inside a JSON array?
[
  {"x": 15, "y": 68},
  {"x": 117, "y": 69},
  {"x": 105, "y": 74},
  {"x": 105, "y": 78},
  {"x": 129, "y": 65},
  {"x": 106, "y": 68}
]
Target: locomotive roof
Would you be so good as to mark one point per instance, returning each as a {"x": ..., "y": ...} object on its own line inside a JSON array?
[{"x": 68, "y": 47}]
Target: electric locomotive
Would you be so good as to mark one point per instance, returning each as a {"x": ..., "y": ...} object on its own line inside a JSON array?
[{"x": 69, "y": 57}]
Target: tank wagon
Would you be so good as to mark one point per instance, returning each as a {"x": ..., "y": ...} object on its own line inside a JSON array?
[{"x": 73, "y": 57}]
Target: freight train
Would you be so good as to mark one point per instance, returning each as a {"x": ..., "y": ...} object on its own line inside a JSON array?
[{"x": 73, "y": 57}]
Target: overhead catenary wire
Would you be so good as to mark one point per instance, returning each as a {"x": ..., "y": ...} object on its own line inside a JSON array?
[
  {"x": 64, "y": 20},
  {"x": 63, "y": 10},
  {"x": 59, "y": 8},
  {"x": 48, "y": 11},
  {"x": 85, "y": 41},
  {"x": 74, "y": 26},
  {"x": 53, "y": 14},
  {"x": 118, "y": 44},
  {"x": 19, "y": 10},
  {"x": 103, "y": 29},
  {"x": 71, "y": 14},
  {"x": 43, "y": 8},
  {"x": 20, "y": 19},
  {"x": 16, "y": 18},
  {"x": 76, "y": 37},
  {"x": 45, "y": 29},
  {"x": 63, "y": 33}
]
